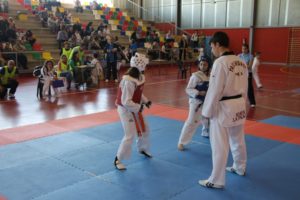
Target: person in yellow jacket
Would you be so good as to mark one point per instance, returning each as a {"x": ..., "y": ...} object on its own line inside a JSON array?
[
  {"x": 66, "y": 50},
  {"x": 80, "y": 51},
  {"x": 9, "y": 83},
  {"x": 64, "y": 70}
]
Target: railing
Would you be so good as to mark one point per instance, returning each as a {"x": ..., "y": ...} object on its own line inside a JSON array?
[
  {"x": 177, "y": 29},
  {"x": 156, "y": 56}
]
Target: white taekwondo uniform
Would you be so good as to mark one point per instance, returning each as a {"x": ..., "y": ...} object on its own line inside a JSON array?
[
  {"x": 129, "y": 100},
  {"x": 225, "y": 105},
  {"x": 197, "y": 80},
  {"x": 255, "y": 65}
]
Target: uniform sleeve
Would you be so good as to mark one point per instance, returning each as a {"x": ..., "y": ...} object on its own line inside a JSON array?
[
  {"x": 190, "y": 89},
  {"x": 128, "y": 88},
  {"x": 215, "y": 90}
]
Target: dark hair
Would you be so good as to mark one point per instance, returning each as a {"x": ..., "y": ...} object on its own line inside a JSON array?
[
  {"x": 133, "y": 72},
  {"x": 95, "y": 55},
  {"x": 245, "y": 45},
  {"x": 221, "y": 38}
]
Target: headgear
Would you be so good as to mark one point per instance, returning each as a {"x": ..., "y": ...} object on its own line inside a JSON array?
[{"x": 139, "y": 61}]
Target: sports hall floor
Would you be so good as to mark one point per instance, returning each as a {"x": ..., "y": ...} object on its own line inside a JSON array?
[{"x": 64, "y": 148}]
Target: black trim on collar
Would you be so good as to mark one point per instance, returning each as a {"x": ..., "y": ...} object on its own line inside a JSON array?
[{"x": 227, "y": 53}]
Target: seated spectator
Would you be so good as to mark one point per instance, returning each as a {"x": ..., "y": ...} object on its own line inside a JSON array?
[
  {"x": 7, "y": 47},
  {"x": 43, "y": 15},
  {"x": 78, "y": 38},
  {"x": 11, "y": 35},
  {"x": 4, "y": 6},
  {"x": 11, "y": 23},
  {"x": 106, "y": 31},
  {"x": 94, "y": 43},
  {"x": 21, "y": 57},
  {"x": 74, "y": 63},
  {"x": 78, "y": 6},
  {"x": 48, "y": 74},
  {"x": 30, "y": 38},
  {"x": 66, "y": 50},
  {"x": 64, "y": 70},
  {"x": 8, "y": 79},
  {"x": 62, "y": 36},
  {"x": 166, "y": 51},
  {"x": 52, "y": 24}
]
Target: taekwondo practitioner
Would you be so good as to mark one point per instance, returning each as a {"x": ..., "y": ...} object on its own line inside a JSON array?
[
  {"x": 131, "y": 101},
  {"x": 225, "y": 106},
  {"x": 255, "y": 65},
  {"x": 196, "y": 89}
]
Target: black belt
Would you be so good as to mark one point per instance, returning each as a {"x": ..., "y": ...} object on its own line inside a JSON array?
[{"x": 231, "y": 97}]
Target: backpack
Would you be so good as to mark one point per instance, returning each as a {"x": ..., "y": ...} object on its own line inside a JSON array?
[{"x": 37, "y": 72}]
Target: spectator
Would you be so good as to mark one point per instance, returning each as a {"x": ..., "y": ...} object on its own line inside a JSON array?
[
  {"x": 78, "y": 6},
  {"x": 183, "y": 44},
  {"x": 64, "y": 70},
  {"x": 62, "y": 36},
  {"x": 8, "y": 80},
  {"x": 247, "y": 57},
  {"x": 21, "y": 57},
  {"x": 30, "y": 38},
  {"x": 66, "y": 50},
  {"x": 111, "y": 59},
  {"x": 48, "y": 74}
]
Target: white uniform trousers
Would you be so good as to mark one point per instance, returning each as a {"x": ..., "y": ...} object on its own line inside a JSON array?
[
  {"x": 221, "y": 138},
  {"x": 191, "y": 124},
  {"x": 130, "y": 131},
  {"x": 47, "y": 86},
  {"x": 256, "y": 77}
]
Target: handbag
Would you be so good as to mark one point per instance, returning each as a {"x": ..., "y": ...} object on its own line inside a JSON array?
[{"x": 57, "y": 83}]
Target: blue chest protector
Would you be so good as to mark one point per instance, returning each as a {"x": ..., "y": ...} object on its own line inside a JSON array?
[{"x": 201, "y": 87}]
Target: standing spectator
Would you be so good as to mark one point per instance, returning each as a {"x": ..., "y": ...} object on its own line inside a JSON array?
[
  {"x": 225, "y": 106},
  {"x": 248, "y": 59},
  {"x": 195, "y": 40},
  {"x": 111, "y": 59},
  {"x": 255, "y": 65},
  {"x": 97, "y": 71},
  {"x": 183, "y": 44},
  {"x": 8, "y": 79}
]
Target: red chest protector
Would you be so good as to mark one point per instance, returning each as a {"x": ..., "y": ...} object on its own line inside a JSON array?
[{"x": 137, "y": 95}]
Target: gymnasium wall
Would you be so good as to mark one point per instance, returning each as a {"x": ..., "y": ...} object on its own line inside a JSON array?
[{"x": 271, "y": 42}]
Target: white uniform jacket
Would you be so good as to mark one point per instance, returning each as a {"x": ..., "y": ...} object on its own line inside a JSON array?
[
  {"x": 128, "y": 86},
  {"x": 196, "y": 79},
  {"x": 228, "y": 78}
]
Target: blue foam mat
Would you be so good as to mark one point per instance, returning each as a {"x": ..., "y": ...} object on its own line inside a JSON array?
[
  {"x": 78, "y": 165},
  {"x": 281, "y": 120}
]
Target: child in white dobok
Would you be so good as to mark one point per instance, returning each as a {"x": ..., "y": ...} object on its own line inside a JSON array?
[
  {"x": 196, "y": 89},
  {"x": 130, "y": 101},
  {"x": 255, "y": 65}
]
